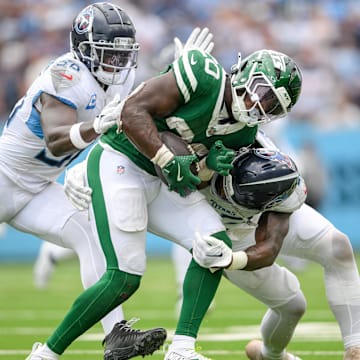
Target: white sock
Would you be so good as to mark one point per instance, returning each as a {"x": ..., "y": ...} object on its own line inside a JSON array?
[
  {"x": 47, "y": 352},
  {"x": 183, "y": 342}
]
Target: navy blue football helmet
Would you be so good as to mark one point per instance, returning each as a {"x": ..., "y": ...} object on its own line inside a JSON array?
[
  {"x": 103, "y": 38},
  {"x": 260, "y": 179}
]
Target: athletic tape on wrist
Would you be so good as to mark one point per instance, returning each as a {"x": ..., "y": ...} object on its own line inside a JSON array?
[
  {"x": 239, "y": 261},
  {"x": 76, "y": 138},
  {"x": 162, "y": 156}
]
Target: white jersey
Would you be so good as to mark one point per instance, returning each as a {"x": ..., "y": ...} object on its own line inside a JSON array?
[
  {"x": 240, "y": 225},
  {"x": 24, "y": 156}
]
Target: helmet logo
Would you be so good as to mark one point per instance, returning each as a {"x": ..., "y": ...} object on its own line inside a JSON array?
[
  {"x": 84, "y": 20},
  {"x": 278, "y": 60},
  {"x": 265, "y": 153},
  {"x": 275, "y": 156}
]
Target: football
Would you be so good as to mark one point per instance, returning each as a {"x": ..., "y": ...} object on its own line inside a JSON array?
[{"x": 179, "y": 147}]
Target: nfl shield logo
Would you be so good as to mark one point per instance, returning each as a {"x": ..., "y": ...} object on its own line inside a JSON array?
[{"x": 120, "y": 169}]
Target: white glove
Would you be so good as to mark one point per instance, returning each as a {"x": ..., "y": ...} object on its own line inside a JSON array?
[
  {"x": 109, "y": 116},
  {"x": 198, "y": 39},
  {"x": 74, "y": 186},
  {"x": 210, "y": 252}
]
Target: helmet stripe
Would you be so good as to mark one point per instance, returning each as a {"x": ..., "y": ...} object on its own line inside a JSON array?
[{"x": 119, "y": 14}]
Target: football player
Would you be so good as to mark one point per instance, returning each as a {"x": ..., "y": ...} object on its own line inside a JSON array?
[
  {"x": 306, "y": 234},
  {"x": 278, "y": 189},
  {"x": 264, "y": 213},
  {"x": 215, "y": 112},
  {"x": 57, "y": 118}
]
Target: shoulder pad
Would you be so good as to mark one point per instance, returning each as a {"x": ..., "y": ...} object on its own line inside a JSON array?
[
  {"x": 294, "y": 201},
  {"x": 197, "y": 72},
  {"x": 65, "y": 73}
]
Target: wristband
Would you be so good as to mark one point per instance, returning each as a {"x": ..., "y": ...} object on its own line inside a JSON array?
[
  {"x": 239, "y": 260},
  {"x": 76, "y": 138},
  {"x": 162, "y": 156},
  {"x": 205, "y": 174}
]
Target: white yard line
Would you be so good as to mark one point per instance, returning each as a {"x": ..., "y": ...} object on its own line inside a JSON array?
[
  {"x": 207, "y": 353},
  {"x": 314, "y": 332},
  {"x": 306, "y": 331}
]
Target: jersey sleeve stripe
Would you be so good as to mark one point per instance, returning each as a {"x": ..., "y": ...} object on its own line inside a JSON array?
[
  {"x": 34, "y": 124},
  {"x": 180, "y": 81},
  {"x": 189, "y": 73},
  {"x": 67, "y": 102}
]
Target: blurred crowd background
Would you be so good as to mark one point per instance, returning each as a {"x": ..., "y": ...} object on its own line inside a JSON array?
[{"x": 323, "y": 36}]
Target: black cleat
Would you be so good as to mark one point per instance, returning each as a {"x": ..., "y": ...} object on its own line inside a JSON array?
[{"x": 124, "y": 343}]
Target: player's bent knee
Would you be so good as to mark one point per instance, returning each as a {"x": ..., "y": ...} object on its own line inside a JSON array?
[
  {"x": 121, "y": 284},
  {"x": 341, "y": 246},
  {"x": 296, "y": 307}
]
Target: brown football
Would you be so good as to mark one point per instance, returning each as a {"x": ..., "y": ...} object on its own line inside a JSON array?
[{"x": 179, "y": 147}]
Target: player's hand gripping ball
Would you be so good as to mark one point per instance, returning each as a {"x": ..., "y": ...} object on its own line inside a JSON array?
[{"x": 178, "y": 147}]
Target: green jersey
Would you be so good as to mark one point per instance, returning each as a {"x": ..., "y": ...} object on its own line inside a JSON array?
[{"x": 201, "y": 119}]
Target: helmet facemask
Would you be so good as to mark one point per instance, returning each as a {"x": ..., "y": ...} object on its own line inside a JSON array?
[
  {"x": 255, "y": 100},
  {"x": 111, "y": 62}
]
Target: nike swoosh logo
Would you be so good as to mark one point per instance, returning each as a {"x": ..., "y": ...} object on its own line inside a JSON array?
[
  {"x": 179, "y": 177},
  {"x": 192, "y": 60},
  {"x": 66, "y": 76}
]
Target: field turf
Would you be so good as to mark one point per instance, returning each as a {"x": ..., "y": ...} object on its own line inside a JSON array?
[{"x": 28, "y": 315}]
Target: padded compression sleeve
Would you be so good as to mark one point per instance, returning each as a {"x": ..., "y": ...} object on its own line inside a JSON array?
[
  {"x": 92, "y": 305},
  {"x": 199, "y": 289}
]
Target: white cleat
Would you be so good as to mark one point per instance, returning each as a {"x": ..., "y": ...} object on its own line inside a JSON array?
[
  {"x": 253, "y": 352},
  {"x": 184, "y": 354},
  {"x": 36, "y": 353},
  {"x": 352, "y": 353}
]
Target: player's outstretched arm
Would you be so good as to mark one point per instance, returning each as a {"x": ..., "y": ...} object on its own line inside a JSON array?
[
  {"x": 212, "y": 253},
  {"x": 64, "y": 134},
  {"x": 269, "y": 236},
  {"x": 56, "y": 122}
]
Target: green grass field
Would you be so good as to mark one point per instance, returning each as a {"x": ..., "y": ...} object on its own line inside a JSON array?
[{"x": 28, "y": 315}]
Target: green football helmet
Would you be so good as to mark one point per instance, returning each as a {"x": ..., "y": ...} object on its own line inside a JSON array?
[{"x": 265, "y": 86}]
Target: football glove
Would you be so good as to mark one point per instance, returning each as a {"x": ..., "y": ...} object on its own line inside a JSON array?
[
  {"x": 220, "y": 158},
  {"x": 178, "y": 175},
  {"x": 210, "y": 252},
  {"x": 198, "y": 39},
  {"x": 109, "y": 116},
  {"x": 74, "y": 186}
]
